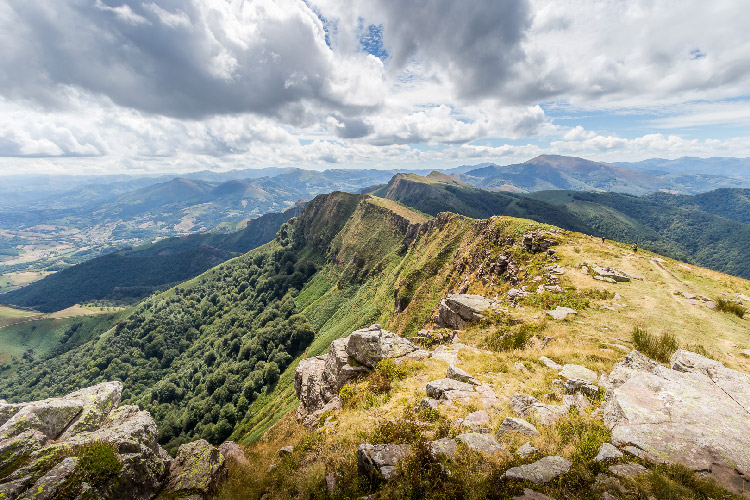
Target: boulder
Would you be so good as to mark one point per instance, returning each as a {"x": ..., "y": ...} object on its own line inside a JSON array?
[
  {"x": 561, "y": 312},
  {"x": 318, "y": 379},
  {"x": 529, "y": 407},
  {"x": 613, "y": 274},
  {"x": 34, "y": 433},
  {"x": 627, "y": 470},
  {"x": 478, "y": 420},
  {"x": 483, "y": 443},
  {"x": 443, "y": 447},
  {"x": 540, "y": 472},
  {"x": 460, "y": 375},
  {"x": 536, "y": 242},
  {"x": 380, "y": 459},
  {"x": 428, "y": 404},
  {"x": 198, "y": 469},
  {"x": 695, "y": 414},
  {"x": 526, "y": 450},
  {"x": 233, "y": 454},
  {"x": 606, "y": 451},
  {"x": 442, "y": 388},
  {"x": 517, "y": 425},
  {"x": 579, "y": 373},
  {"x": 456, "y": 310}
]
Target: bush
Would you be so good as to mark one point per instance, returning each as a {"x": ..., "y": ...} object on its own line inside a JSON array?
[
  {"x": 396, "y": 431},
  {"x": 731, "y": 307},
  {"x": 508, "y": 338},
  {"x": 585, "y": 433},
  {"x": 659, "y": 348},
  {"x": 97, "y": 465},
  {"x": 381, "y": 379}
]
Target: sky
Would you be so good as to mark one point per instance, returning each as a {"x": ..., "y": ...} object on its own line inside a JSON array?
[{"x": 133, "y": 86}]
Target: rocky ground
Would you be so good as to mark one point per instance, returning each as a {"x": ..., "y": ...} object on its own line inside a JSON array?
[{"x": 85, "y": 445}]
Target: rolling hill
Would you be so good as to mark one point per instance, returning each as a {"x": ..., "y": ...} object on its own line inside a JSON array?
[
  {"x": 553, "y": 172},
  {"x": 129, "y": 275},
  {"x": 689, "y": 228}
]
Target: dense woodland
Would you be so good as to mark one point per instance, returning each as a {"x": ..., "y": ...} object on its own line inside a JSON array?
[{"x": 196, "y": 356}]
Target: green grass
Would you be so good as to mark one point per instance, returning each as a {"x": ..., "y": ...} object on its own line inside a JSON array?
[
  {"x": 659, "y": 347},
  {"x": 730, "y": 307}
]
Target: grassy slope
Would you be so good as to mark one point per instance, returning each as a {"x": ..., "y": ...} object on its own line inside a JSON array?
[{"x": 584, "y": 339}]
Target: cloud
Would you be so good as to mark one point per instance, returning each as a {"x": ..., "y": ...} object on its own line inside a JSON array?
[{"x": 184, "y": 59}]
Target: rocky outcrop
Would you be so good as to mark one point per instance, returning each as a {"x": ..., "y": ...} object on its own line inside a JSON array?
[
  {"x": 382, "y": 460},
  {"x": 529, "y": 407},
  {"x": 456, "y": 310},
  {"x": 695, "y": 414},
  {"x": 198, "y": 469},
  {"x": 613, "y": 275},
  {"x": 517, "y": 425},
  {"x": 41, "y": 442},
  {"x": 317, "y": 380},
  {"x": 561, "y": 312},
  {"x": 536, "y": 242}
]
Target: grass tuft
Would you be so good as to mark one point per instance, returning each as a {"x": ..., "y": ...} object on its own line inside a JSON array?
[
  {"x": 659, "y": 348},
  {"x": 730, "y": 307}
]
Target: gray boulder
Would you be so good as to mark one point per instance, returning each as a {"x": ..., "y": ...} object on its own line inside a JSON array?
[
  {"x": 478, "y": 420},
  {"x": 428, "y": 404},
  {"x": 442, "y": 388},
  {"x": 526, "y": 450},
  {"x": 540, "y": 472},
  {"x": 695, "y": 414},
  {"x": 550, "y": 363},
  {"x": 380, "y": 459},
  {"x": 529, "y": 407},
  {"x": 627, "y": 470},
  {"x": 456, "y": 310},
  {"x": 370, "y": 345},
  {"x": 198, "y": 469},
  {"x": 517, "y": 425},
  {"x": 613, "y": 274},
  {"x": 535, "y": 242},
  {"x": 233, "y": 454},
  {"x": 579, "y": 373},
  {"x": 33, "y": 434},
  {"x": 561, "y": 312},
  {"x": 443, "y": 447},
  {"x": 606, "y": 451},
  {"x": 458, "y": 374}
]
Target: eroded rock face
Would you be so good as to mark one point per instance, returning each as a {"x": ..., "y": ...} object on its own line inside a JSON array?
[
  {"x": 40, "y": 442},
  {"x": 198, "y": 469},
  {"x": 317, "y": 380},
  {"x": 458, "y": 309},
  {"x": 536, "y": 242},
  {"x": 695, "y": 414}
]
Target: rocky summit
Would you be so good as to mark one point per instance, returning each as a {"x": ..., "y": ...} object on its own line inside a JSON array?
[
  {"x": 85, "y": 445},
  {"x": 695, "y": 413}
]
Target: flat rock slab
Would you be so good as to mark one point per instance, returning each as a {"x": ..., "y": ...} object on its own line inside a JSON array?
[
  {"x": 443, "y": 447},
  {"x": 528, "y": 406},
  {"x": 578, "y": 372},
  {"x": 479, "y": 419},
  {"x": 456, "y": 310},
  {"x": 606, "y": 451},
  {"x": 627, "y": 470},
  {"x": 695, "y": 414},
  {"x": 483, "y": 443},
  {"x": 561, "y": 312},
  {"x": 439, "y": 389},
  {"x": 550, "y": 363},
  {"x": 517, "y": 425},
  {"x": 458, "y": 374},
  {"x": 540, "y": 472},
  {"x": 526, "y": 450}
]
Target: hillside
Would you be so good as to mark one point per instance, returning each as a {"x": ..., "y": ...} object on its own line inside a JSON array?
[
  {"x": 131, "y": 274},
  {"x": 215, "y": 357},
  {"x": 548, "y": 172},
  {"x": 689, "y": 228}
]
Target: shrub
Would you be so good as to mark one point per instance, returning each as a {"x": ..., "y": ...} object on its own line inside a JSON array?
[
  {"x": 586, "y": 434},
  {"x": 396, "y": 431},
  {"x": 659, "y": 348},
  {"x": 507, "y": 338},
  {"x": 731, "y": 307},
  {"x": 97, "y": 465},
  {"x": 382, "y": 377}
]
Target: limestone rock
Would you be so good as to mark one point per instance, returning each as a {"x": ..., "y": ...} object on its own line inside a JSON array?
[
  {"x": 478, "y": 420},
  {"x": 561, "y": 312},
  {"x": 371, "y": 345},
  {"x": 428, "y": 404},
  {"x": 613, "y": 274},
  {"x": 578, "y": 372},
  {"x": 695, "y": 414},
  {"x": 233, "y": 454},
  {"x": 550, "y": 364},
  {"x": 445, "y": 447},
  {"x": 607, "y": 450},
  {"x": 444, "y": 387},
  {"x": 286, "y": 450},
  {"x": 540, "y": 472},
  {"x": 460, "y": 375},
  {"x": 197, "y": 469},
  {"x": 528, "y": 406},
  {"x": 517, "y": 425},
  {"x": 483, "y": 443},
  {"x": 627, "y": 470},
  {"x": 526, "y": 450},
  {"x": 383, "y": 459},
  {"x": 34, "y": 433},
  {"x": 458, "y": 309}
]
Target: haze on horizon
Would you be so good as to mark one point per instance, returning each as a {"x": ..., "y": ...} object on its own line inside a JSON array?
[{"x": 134, "y": 86}]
